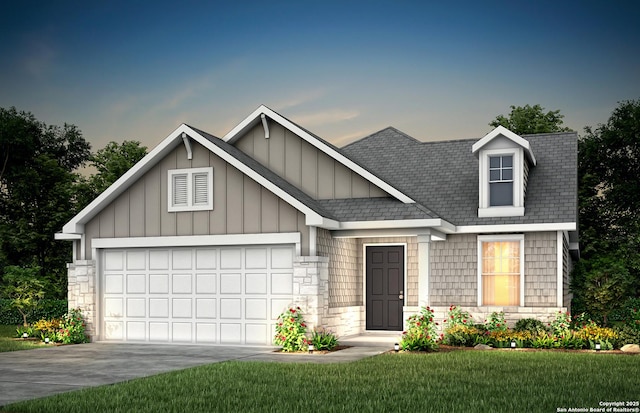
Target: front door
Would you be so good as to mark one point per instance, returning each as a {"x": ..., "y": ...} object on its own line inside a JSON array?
[{"x": 385, "y": 287}]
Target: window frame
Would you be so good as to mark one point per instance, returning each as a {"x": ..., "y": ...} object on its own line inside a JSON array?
[
  {"x": 500, "y": 238},
  {"x": 190, "y": 173},
  {"x": 517, "y": 208}
]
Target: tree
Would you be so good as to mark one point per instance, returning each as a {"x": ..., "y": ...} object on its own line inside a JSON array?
[
  {"x": 37, "y": 197},
  {"x": 24, "y": 288},
  {"x": 111, "y": 162},
  {"x": 526, "y": 120},
  {"x": 609, "y": 195}
]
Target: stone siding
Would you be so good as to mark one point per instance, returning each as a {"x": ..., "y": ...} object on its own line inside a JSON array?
[
  {"x": 540, "y": 269},
  {"x": 454, "y": 271},
  {"x": 411, "y": 265},
  {"x": 345, "y": 277},
  {"x": 81, "y": 286}
]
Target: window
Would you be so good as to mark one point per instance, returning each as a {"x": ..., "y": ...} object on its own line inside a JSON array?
[
  {"x": 501, "y": 266},
  {"x": 190, "y": 189},
  {"x": 501, "y": 180}
]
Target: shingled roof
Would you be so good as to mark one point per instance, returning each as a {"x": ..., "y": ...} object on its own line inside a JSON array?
[{"x": 443, "y": 176}]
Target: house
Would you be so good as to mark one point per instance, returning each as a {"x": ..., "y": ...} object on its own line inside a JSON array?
[{"x": 208, "y": 240}]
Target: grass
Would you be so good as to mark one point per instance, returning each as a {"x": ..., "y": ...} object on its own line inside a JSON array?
[
  {"x": 458, "y": 381},
  {"x": 9, "y": 343}
]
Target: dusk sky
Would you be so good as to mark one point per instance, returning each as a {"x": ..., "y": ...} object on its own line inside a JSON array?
[{"x": 435, "y": 70}]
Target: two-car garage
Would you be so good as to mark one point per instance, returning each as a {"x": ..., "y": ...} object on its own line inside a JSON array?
[{"x": 214, "y": 295}]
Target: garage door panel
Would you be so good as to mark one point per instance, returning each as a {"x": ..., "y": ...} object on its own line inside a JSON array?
[
  {"x": 223, "y": 295},
  {"x": 231, "y": 283},
  {"x": 136, "y": 330},
  {"x": 206, "y": 284},
  {"x": 205, "y": 308},
  {"x": 136, "y": 283},
  {"x": 159, "y": 283},
  {"x": 231, "y": 308},
  {"x": 181, "y": 308},
  {"x": 159, "y": 307},
  {"x": 181, "y": 284},
  {"x": 136, "y": 307},
  {"x": 255, "y": 283}
]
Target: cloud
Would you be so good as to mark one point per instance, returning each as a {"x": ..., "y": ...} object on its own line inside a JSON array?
[{"x": 299, "y": 99}]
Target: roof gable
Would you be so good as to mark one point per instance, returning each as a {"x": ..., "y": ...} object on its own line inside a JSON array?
[
  {"x": 501, "y": 131},
  {"x": 333, "y": 152}
]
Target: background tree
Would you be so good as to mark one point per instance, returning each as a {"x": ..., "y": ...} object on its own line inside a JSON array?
[
  {"x": 526, "y": 120},
  {"x": 24, "y": 287},
  {"x": 37, "y": 196}
]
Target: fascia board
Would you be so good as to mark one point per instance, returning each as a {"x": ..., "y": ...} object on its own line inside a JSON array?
[
  {"x": 475, "y": 229},
  {"x": 67, "y": 237},
  {"x": 501, "y": 130},
  {"x": 76, "y": 224},
  {"x": 405, "y": 223},
  {"x": 198, "y": 240},
  {"x": 252, "y": 119},
  {"x": 310, "y": 214}
]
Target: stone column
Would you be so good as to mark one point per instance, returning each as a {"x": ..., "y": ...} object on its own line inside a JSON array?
[
  {"x": 82, "y": 292},
  {"x": 311, "y": 288}
]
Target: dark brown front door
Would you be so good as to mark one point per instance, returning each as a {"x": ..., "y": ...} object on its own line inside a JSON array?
[{"x": 385, "y": 285}]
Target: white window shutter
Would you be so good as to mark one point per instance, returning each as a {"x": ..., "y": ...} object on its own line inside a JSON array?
[
  {"x": 180, "y": 191},
  {"x": 200, "y": 189}
]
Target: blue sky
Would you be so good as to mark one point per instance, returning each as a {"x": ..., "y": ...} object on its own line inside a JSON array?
[{"x": 435, "y": 70}]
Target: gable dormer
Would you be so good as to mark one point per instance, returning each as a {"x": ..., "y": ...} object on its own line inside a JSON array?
[{"x": 504, "y": 159}]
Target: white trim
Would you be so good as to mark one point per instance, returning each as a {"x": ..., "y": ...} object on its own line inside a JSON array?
[
  {"x": 501, "y": 211},
  {"x": 390, "y": 232},
  {"x": 187, "y": 145},
  {"x": 313, "y": 241},
  {"x": 255, "y": 117},
  {"x": 501, "y": 130},
  {"x": 364, "y": 277},
  {"x": 66, "y": 237},
  {"x": 401, "y": 223},
  {"x": 560, "y": 267},
  {"x": 475, "y": 229},
  {"x": 198, "y": 240},
  {"x": 424, "y": 269},
  {"x": 517, "y": 208},
  {"x": 498, "y": 238},
  {"x": 190, "y": 172}
]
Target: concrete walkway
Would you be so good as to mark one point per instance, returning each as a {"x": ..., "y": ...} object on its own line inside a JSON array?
[{"x": 31, "y": 374}]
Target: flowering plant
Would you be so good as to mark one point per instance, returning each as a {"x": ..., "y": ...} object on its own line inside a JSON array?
[
  {"x": 291, "y": 331},
  {"x": 458, "y": 317},
  {"x": 561, "y": 323},
  {"x": 496, "y": 322},
  {"x": 72, "y": 328},
  {"x": 421, "y": 332}
]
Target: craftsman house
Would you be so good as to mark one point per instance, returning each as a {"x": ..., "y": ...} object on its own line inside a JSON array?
[{"x": 207, "y": 240}]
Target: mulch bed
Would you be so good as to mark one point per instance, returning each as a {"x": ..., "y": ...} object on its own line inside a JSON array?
[{"x": 448, "y": 349}]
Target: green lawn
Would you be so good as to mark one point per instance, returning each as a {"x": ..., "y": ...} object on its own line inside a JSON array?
[
  {"x": 9, "y": 343},
  {"x": 459, "y": 381}
]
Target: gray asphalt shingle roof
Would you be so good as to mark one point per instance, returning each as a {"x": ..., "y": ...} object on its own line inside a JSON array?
[{"x": 443, "y": 176}]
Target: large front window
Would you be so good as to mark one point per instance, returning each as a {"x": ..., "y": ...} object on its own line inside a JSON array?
[{"x": 501, "y": 272}]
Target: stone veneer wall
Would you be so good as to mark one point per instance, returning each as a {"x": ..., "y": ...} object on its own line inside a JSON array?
[
  {"x": 540, "y": 269},
  {"x": 345, "y": 278},
  {"x": 411, "y": 265},
  {"x": 454, "y": 271},
  {"x": 82, "y": 292}
]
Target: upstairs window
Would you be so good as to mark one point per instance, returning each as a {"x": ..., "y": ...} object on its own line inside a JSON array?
[
  {"x": 501, "y": 180},
  {"x": 190, "y": 189}
]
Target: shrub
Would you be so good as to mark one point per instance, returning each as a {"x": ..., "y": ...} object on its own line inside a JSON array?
[
  {"x": 496, "y": 322},
  {"x": 291, "y": 331},
  {"x": 582, "y": 320},
  {"x": 634, "y": 319},
  {"x": 323, "y": 339},
  {"x": 626, "y": 335},
  {"x": 463, "y": 335},
  {"x": 46, "y": 309},
  {"x": 458, "y": 317},
  {"x": 530, "y": 325},
  {"x": 593, "y": 334},
  {"x": 421, "y": 332},
  {"x": 561, "y": 323},
  {"x": 623, "y": 312},
  {"x": 72, "y": 328}
]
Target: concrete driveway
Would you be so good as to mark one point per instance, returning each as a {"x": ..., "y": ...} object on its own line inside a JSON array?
[{"x": 42, "y": 372}]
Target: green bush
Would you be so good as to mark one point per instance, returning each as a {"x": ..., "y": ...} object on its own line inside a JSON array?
[
  {"x": 291, "y": 331},
  {"x": 624, "y": 311},
  {"x": 421, "y": 333},
  {"x": 626, "y": 335},
  {"x": 531, "y": 325},
  {"x": 462, "y": 335},
  {"x": 46, "y": 309},
  {"x": 323, "y": 339}
]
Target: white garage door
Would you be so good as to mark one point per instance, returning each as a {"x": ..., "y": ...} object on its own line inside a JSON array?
[{"x": 225, "y": 295}]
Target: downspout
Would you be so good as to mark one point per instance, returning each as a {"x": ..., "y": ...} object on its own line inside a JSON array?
[{"x": 265, "y": 125}]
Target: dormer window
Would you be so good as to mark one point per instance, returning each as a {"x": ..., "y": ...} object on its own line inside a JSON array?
[
  {"x": 503, "y": 159},
  {"x": 501, "y": 180}
]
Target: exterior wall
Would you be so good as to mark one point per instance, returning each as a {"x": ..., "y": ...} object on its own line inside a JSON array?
[
  {"x": 303, "y": 165},
  {"x": 240, "y": 206},
  {"x": 81, "y": 283},
  {"x": 567, "y": 267},
  {"x": 511, "y": 314},
  {"x": 411, "y": 264},
  {"x": 454, "y": 270},
  {"x": 345, "y": 277}
]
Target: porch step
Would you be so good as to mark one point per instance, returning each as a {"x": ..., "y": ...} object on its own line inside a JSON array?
[{"x": 383, "y": 339}]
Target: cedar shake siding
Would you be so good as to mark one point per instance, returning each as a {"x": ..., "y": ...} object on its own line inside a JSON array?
[
  {"x": 240, "y": 206},
  {"x": 345, "y": 277}
]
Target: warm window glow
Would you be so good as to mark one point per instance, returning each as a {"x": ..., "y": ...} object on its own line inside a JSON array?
[{"x": 501, "y": 273}]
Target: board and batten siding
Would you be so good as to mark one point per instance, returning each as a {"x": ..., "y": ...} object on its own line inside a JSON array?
[
  {"x": 240, "y": 205},
  {"x": 454, "y": 270},
  {"x": 305, "y": 166}
]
